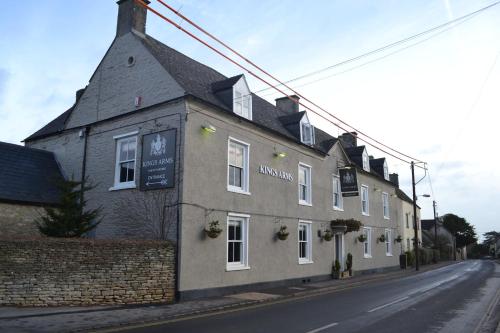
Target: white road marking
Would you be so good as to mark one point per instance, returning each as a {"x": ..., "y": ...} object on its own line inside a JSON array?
[
  {"x": 388, "y": 304},
  {"x": 322, "y": 328},
  {"x": 434, "y": 285}
]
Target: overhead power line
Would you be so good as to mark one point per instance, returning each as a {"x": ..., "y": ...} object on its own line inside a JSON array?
[
  {"x": 388, "y": 46},
  {"x": 142, "y": 3},
  {"x": 277, "y": 80}
]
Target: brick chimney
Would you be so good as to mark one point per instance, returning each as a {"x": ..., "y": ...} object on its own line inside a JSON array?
[
  {"x": 287, "y": 105},
  {"x": 394, "y": 178},
  {"x": 349, "y": 140},
  {"x": 131, "y": 15}
]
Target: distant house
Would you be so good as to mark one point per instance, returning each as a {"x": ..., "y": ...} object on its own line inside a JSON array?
[
  {"x": 445, "y": 239},
  {"x": 28, "y": 180}
]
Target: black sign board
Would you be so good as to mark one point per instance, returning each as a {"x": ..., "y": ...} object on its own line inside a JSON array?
[
  {"x": 348, "y": 182},
  {"x": 158, "y": 160}
]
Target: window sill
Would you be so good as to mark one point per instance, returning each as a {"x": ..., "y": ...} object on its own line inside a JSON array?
[
  {"x": 123, "y": 186},
  {"x": 305, "y": 203},
  {"x": 386, "y": 218},
  {"x": 238, "y": 190},
  {"x": 237, "y": 268},
  {"x": 388, "y": 254},
  {"x": 367, "y": 256},
  {"x": 365, "y": 214},
  {"x": 338, "y": 209},
  {"x": 305, "y": 262}
]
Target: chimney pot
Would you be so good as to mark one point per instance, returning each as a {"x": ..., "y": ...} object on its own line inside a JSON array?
[
  {"x": 131, "y": 16},
  {"x": 349, "y": 140},
  {"x": 287, "y": 105},
  {"x": 79, "y": 94}
]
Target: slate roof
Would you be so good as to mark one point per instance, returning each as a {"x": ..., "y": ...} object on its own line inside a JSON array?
[
  {"x": 28, "y": 175},
  {"x": 226, "y": 84},
  {"x": 55, "y": 126},
  {"x": 427, "y": 224},
  {"x": 377, "y": 165}
]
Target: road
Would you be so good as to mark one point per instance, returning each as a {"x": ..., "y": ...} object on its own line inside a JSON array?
[{"x": 453, "y": 298}]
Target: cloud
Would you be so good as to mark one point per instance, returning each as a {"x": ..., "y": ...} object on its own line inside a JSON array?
[{"x": 4, "y": 76}]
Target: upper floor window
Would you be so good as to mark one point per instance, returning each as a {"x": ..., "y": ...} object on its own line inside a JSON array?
[
  {"x": 386, "y": 171},
  {"x": 304, "y": 184},
  {"x": 305, "y": 248},
  {"x": 365, "y": 209},
  {"x": 125, "y": 162},
  {"x": 306, "y": 131},
  {"x": 385, "y": 204},
  {"x": 337, "y": 194},
  {"x": 366, "y": 161},
  {"x": 242, "y": 99},
  {"x": 238, "y": 175},
  {"x": 407, "y": 220}
]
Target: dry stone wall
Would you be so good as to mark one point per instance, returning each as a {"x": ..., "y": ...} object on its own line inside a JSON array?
[{"x": 67, "y": 272}]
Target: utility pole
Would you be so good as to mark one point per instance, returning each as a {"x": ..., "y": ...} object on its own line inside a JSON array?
[
  {"x": 435, "y": 230},
  {"x": 415, "y": 214}
]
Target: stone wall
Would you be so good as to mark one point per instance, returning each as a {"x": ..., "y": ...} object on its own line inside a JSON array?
[
  {"x": 17, "y": 220},
  {"x": 67, "y": 272}
]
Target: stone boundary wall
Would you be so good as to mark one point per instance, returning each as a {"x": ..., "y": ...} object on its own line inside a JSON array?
[{"x": 76, "y": 272}]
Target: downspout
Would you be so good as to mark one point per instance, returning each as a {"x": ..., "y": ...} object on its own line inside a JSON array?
[
  {"x": 177, "y": 243},
  {"x": 86, "y": 131}
]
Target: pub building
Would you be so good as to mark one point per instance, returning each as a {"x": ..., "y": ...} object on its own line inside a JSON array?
[{"x": 156, "y": 130}]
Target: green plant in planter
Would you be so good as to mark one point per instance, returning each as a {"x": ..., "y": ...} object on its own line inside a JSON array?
[
  {"x": 382, "y": 238},
  {"x": 283, "y": 233},
  {"x": 348, "y": 263},
  {"x": 362, "y": 238},
  {"x": 351, "y": 224},
  {"x": 336, "y": 269},
  {"x": 398, "y": 239},
  {"x": 327, "y": 235},
  {"x": 213, "y": 230}
]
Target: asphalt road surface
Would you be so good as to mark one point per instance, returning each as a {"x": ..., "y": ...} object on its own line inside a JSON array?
[{"x": 453, "y": 298}]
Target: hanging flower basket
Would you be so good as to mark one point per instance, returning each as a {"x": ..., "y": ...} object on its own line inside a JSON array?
[
  {"x": 398, "y": 239},
  {"x": 328, "y": 235},
  {"x": 362, "y": 238},
  {"x": 213, "y": 230},
  {"x": 283, "y": 233},
  {"x": 381, "y": 238}
]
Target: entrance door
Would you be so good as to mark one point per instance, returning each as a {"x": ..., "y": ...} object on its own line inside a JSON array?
[{"x": 339, "y": 255}]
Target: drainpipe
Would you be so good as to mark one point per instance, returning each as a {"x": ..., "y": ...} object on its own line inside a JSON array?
[{"x": 86, "y": 131}]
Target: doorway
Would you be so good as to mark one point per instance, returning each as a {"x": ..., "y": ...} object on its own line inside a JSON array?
[{"x": 339, "y": 249}]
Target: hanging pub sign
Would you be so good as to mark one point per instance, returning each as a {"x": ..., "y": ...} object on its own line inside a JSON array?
[
  {"x": 158, "y": 160},
  {"x": 348, "y": 182}
]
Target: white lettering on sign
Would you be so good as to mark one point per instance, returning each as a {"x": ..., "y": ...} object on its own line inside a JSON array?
[{"x": 265, "y": 170}]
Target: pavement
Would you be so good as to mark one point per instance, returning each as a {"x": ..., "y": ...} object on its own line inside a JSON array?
[{"x": 140, "y": 317}]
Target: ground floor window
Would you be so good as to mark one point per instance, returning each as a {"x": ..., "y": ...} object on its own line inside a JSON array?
[
  {"x": 388, "y": 242},
  {"x": 367, "y": 247},
  {"x": 305, "y": 248},
  {"x": 408, "y": 245},
  {"x": 237, "y": 242}
]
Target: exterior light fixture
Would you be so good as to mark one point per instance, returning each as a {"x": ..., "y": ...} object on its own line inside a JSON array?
[
  {"x": 280, "y": 154},
  {"x": 376, "y": 189},
  {"x": 209, "y": 128}
]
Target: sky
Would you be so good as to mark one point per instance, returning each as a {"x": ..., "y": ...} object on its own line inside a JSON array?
[{"x": 435, "y": 98}]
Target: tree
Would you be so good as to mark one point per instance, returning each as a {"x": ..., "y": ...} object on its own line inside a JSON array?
[
  {"x": 461, "y": 229},
  {"x": 148, "y": 214},
  {"x": 69, "y": 219},
  {"x": 491, "y": 237}
]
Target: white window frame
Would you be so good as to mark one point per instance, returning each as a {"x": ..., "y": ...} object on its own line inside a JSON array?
[
  {"x": 388, "y": 242},
  {"x": 367, "y": 244},
  {"x": 407, "y": 220},
  {"x": 408, "y": 244},
  {"x": 386, "y": 171},
  {"x": 119, "y": 139},
  {"x": 308, "y": 227},
  {"x": 306, "y": 139},
  {"x": 244, "y": 219},
  {"x": 337, "y": 190},
  {"x": 385, "y": 205},
  {"x": 245, "y": 177},
  {"x": 308, "y": 201},
  {"x": 366, "y": 161},
  {"x": 241, "y": 88},
  {"x": 364, "y": 189}
]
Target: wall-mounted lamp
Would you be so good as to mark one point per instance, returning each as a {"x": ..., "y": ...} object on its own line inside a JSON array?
[
  {"x": 280, "y": 154},
  {"x": 376, "y": 189},
  {"x": 209, "y": 128}
]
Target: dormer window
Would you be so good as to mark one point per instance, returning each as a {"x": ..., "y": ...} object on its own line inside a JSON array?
[
  {"x": 306, "y": 131},
  {"x": 366, "y": 161},
  {"x": 386, "y": 171},
  {"x": 242, "y": 99}
]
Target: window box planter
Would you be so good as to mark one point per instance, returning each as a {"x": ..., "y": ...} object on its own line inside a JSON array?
[{"x": 213, "y": 230}]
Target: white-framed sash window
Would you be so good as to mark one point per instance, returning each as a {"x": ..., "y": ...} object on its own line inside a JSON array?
[
  {"x": 385, "y": 205},
  {"x": 237, "y": 166},
  {"x": 365, "y": 204},
  {"x": 338, "y": 203},
  {"x": 125, "y": 161},
  {"x": 388, "y": 242},
  {"x": 304, "y": 242},
  {"x": 237, "y": 242},
  {"x": 367, "y": 244},
  {"x": 305, "y": 192}
]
